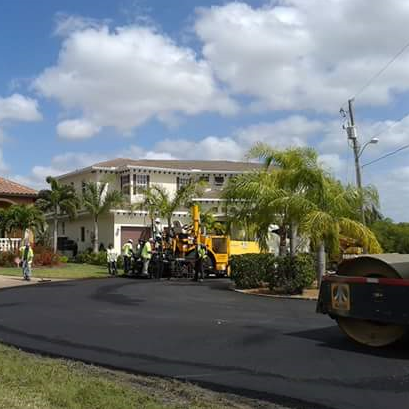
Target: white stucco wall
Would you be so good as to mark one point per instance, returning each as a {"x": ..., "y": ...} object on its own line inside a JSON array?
[{"x": 73, "y": 230}]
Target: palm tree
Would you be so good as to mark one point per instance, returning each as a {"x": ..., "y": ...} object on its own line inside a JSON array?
[
  {"x": 210, "y": 223},
  {"x": 297, "y": 171},
  {"x": 159, "y": 201},
  {"x": 59, "y": 199},
  {"x": 251, "y": 200},
  {"x": 293, "y": 190},
  {"x": 97, "y": 200},
  {"x": 24, "y": 218},
  {"x": 331, "y": 215}
]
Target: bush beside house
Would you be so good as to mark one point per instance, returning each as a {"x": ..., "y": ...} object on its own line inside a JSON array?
[{"x": 284, "y": 274}]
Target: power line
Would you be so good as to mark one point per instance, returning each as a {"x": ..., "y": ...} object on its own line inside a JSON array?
[
  {"x": 382, "y": 70},
  {"x": 386, "y": 155}
]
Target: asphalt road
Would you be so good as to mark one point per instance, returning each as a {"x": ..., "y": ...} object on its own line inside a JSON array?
[{"x": 274, "y": 349}]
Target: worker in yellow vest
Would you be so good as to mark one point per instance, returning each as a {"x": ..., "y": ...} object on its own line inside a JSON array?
[
  {"x": 26, "y": 260},
  {"x": 127, "y": 251},
  {"x": 200, "y": 257},
  {"x": 146, "y": 256}
]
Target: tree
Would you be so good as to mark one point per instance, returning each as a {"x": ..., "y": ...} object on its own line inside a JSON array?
[
  {"x": 97, "y": 200},
  {"x": 59, "y": 199},
  {"x": 159, "y": 201},
  {"x": 293, "y": 191},
  {"x": 24, "y": 217},
  {"x": 210, "y": 223},
  {"x": 276, "y": 194},
  {"x": 332, "y": 215},
  {"x": 297, "y": 171}
]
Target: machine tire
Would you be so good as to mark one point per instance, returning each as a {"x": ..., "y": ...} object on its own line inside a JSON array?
[{"x": 371, "y": 333}]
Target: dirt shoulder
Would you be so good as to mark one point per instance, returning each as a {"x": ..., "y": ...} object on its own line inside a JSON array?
[{"x": 307, "y": 294}]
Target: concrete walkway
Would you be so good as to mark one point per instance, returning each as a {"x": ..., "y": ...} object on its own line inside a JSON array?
[{"x": 13, "y": 281}]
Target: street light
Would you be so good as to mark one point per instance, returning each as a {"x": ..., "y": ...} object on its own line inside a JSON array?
[
  {"x": 371, "y": 141},
  {"x": 358, "y": 150}
]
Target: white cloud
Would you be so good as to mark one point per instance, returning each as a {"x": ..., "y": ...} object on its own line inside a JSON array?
[
  {"x": 211, "y": 147},
  {"x": 306, "y": 55},
  {"x": 124, "y": 77},
  {"x": 294, "y": 130},
  {"x": 15, "y": 108},
  {"x": 77, "y": 129},
  {"x": 332, "y": 162},
  {"x": 59, "y": 164},
  {"x": 19, "y": 108}
]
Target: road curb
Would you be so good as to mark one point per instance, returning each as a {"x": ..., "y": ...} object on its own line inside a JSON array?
[{"x": 288, "y": 297}]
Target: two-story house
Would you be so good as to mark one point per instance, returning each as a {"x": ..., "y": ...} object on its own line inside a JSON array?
[{"x": 128, "y": 176}]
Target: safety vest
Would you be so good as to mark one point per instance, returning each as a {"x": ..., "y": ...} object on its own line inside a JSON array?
[
  {"x": 127, "y": 249},
  {"x": 201, "y": 251},
  {"x": 147, "y": 251},
  {"x": 30, "y": 254}
]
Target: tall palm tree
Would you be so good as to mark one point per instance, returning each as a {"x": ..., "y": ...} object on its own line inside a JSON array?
[
  {"x": 159, "y": 201},
  {"x": 97, "y": 200},
  {"x": 297, "y": 171},
  {"x": 251, "y": 199},
  {"x": 331, "y": 215},
  {"x": 59, "y": 199}
]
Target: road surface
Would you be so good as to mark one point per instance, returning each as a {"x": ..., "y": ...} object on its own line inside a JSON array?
[{"x": 274, "y": 349}]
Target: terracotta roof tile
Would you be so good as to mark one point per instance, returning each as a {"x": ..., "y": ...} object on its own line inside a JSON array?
[{"x": 9, "y": 188}]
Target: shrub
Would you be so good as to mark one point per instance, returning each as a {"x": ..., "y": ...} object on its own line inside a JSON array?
[
  {"x": 99, "y": 259},
  {"x": 293, "y": 274},
  {"x": 252, "y": 270},
  {"x": 7, "y": 259},
  {"x": 286, "y": 274},
  {"x": 63, "y": 259},
  {"x": 44, "y": 256}
]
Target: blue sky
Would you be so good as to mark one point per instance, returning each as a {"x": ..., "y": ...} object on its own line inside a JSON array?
[{"x": 201, "y": 79}]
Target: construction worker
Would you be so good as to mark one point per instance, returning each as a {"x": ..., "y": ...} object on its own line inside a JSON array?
[
  {"x": 200, "y": 257},
  {"x": 157, "y": 230},
  {"x": 112, "y": 257},
  {"x": 26, "y": 257},
  {"x": 127, "y": 251},
  {"x": 146, "y": 256}
]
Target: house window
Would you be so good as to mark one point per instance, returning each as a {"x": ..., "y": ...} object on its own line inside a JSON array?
[
  {"x": 125, "y": 184},
  {"x": 82, "y": 233},
  {"x": 140, "y": 182},
  {"x": 219, "y": 180},
  {"x": 83, "y": 187},
  {"x": 182, "y": 181},
  {"x": 63, "y": 228},
  {"x": 204, "y": 178}
]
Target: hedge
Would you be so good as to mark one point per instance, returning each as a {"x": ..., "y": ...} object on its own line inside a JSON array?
[
  {"x": 98, "y": 259},
  {"x": 284, "y": 274}
]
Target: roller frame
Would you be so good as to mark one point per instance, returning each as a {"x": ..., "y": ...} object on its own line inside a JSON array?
[{"x": 383, "y": 300}]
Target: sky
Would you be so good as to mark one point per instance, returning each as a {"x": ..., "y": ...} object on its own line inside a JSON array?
[{"x": 84, "y": 81}]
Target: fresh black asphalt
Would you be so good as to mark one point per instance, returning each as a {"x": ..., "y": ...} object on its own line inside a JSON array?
[{"x": 275, "y": 349}]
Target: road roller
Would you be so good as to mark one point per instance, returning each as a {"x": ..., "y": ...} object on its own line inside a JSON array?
[{"x": 368, "y": 296}]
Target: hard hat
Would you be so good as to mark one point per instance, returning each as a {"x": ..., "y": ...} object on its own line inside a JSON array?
[
  {"x": 130, "y": 241},
  {"x": 157, "y": 220},
  {"x": 151, "y": 239}
]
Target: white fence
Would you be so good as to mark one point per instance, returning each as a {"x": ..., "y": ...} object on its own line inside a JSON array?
[{"x": 9, "y": 244}]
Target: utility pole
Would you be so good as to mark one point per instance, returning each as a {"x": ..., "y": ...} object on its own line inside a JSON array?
[{"x": 352, "y": 135}]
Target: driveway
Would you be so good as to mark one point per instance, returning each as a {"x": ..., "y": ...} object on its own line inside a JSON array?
[{"x": 274, "y": 349}]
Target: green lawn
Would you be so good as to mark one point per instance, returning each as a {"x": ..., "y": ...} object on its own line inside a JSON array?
[
  {"x": 32, "y": 381},
  {"x": 69, "y": 270}
]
